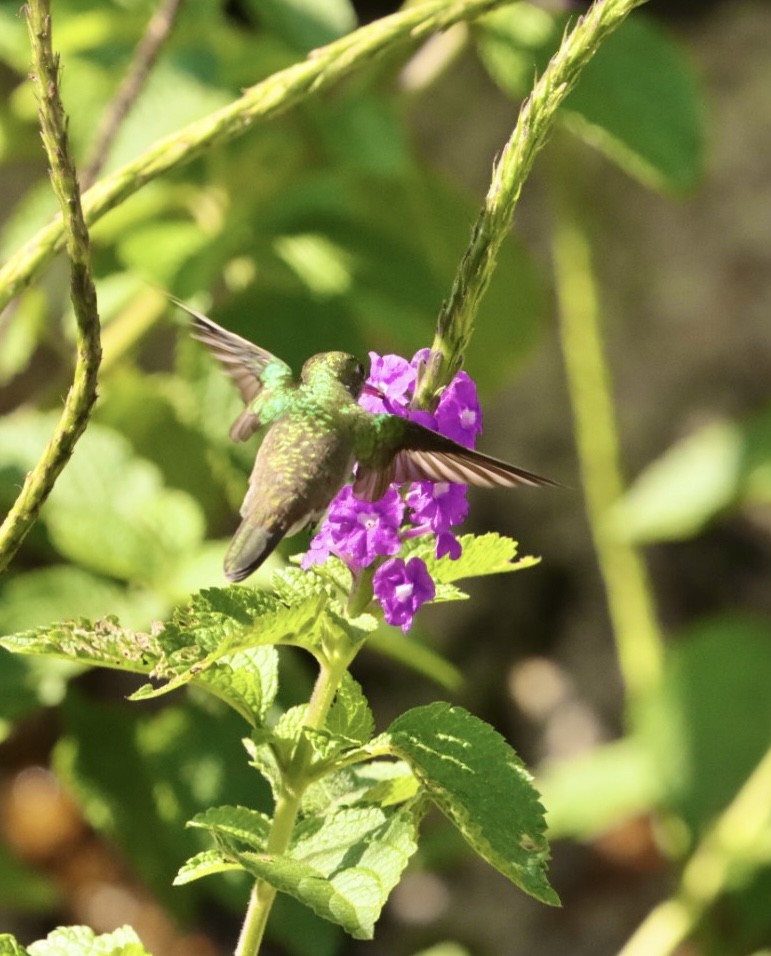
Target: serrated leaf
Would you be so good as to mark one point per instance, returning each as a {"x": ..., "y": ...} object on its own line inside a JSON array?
[
  {"x": 350, "y": 715},
  {"x": 343, "y": 866},
  {"x": 79, "y": 940},
  {"x": 481, "y": 785},
  {"x": 482, "y": 554},
  {"x": 101, "y": 643},
  {"x": 222, "y": 623},
  {"x": 205, "y": 863},
  {"x": 247, "y": 680},
  {"x": 349, "y": 786},
  {"x": 384, "y": 783},
  {"x": 235, "y": 823},
  {"x": 262, "y": 756}
]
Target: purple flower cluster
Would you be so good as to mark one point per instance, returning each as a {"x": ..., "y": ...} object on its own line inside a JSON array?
[{"x": 359, "y": 532}]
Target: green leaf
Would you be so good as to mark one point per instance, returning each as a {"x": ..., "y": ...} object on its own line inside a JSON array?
[
  {"x": 156, "y": 251},
  {"x": 219, "y": 641},
  {"x": 350, "y": 715},
  {"x": 511, "y": 41},
  {"x": 139, "y": 778},
  {"x": 10, "y": 947},
  {"x": 344, "y": 865},
  {"x": 247, "y": 680},
  {"x": 104, "y": 643},
  {"x": 479, "y": 783},
  {"x": 380, "y": 782},
  {"x": 79, "y": 940},
  {"x": 213, "y": 632},
  {"x": 710, "y": 722},
  {"x": 482, "y": 554},
  {"x": 109, "y": 510},
  {"x": 147, "y": 409},
  {"x": 205, "y": 863},
  {"x": 723, "y": 464},
  {"x": 235, "y": 823},
  {"x": 637, "y": 101},
  {"x": 588, "y": 794}
]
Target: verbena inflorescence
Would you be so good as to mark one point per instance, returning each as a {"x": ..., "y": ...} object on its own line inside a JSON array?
[{"x": 360, "y": 532}]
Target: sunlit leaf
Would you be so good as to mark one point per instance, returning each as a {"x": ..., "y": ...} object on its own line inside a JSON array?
[
  {"x": 482, "y": 786},
  {"x": 78, "y": 940}
]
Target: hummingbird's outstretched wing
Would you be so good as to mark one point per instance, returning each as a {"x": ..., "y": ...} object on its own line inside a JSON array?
[
  {"x": 253, "y": 369},
  {"x": 421, "y": 454}
]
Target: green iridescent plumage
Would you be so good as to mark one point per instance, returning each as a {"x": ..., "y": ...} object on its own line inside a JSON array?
[{"x": 316, "y": 431}]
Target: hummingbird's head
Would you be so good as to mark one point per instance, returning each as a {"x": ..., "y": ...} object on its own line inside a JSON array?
[{"x": 336, "y": 366}]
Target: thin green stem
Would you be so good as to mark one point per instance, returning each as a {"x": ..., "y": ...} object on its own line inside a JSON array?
[
  {"x": 630, "y": 598},
  {"x": 276, "y": 94},
  {"x": 536, "y": 119},
  {"x": 728, "y": 848},
  {"x": 288, "y": 804},
  {"x": 82, "y": 393}
]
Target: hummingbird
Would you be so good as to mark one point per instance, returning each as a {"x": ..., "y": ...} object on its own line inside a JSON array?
[{"x": 315, "y": 433}]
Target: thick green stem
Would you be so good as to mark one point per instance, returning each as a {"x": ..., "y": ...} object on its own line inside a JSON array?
[
  {"x": 82, "y": 394},
  {"x": 740, "y": 835},
  {"x": 276, "y": 94},
  {"x": 536, "y": 120},
  {"x": 288, "y": 804},
  {"x": 630, "y": 599}
]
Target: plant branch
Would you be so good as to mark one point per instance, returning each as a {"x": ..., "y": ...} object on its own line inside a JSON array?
[
  {"x": 288, "y": 804},
  {"x": 82, "y": 393},
  {"x": 274, "y": 95},
  {"x": 536, "y": 119},
  {"x": 636, "y": 630},
  {"x": 158, "y": 31}
]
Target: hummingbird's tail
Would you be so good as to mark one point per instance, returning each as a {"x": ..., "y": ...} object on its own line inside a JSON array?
[{"x": 250, "y": 546}]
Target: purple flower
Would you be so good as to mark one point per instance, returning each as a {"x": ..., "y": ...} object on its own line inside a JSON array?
[
  {"x": 395, "y": 378},
  {"x": 448, "y": 544},
  {"x": 358, "y": 531},
  {"x": 437, "y": 505},
  {"x": 458, "y": 414},
  {"x": 401, "y": 588}
]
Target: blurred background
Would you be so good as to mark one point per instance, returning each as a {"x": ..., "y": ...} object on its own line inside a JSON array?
[{"x": 640, "y": 700}]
